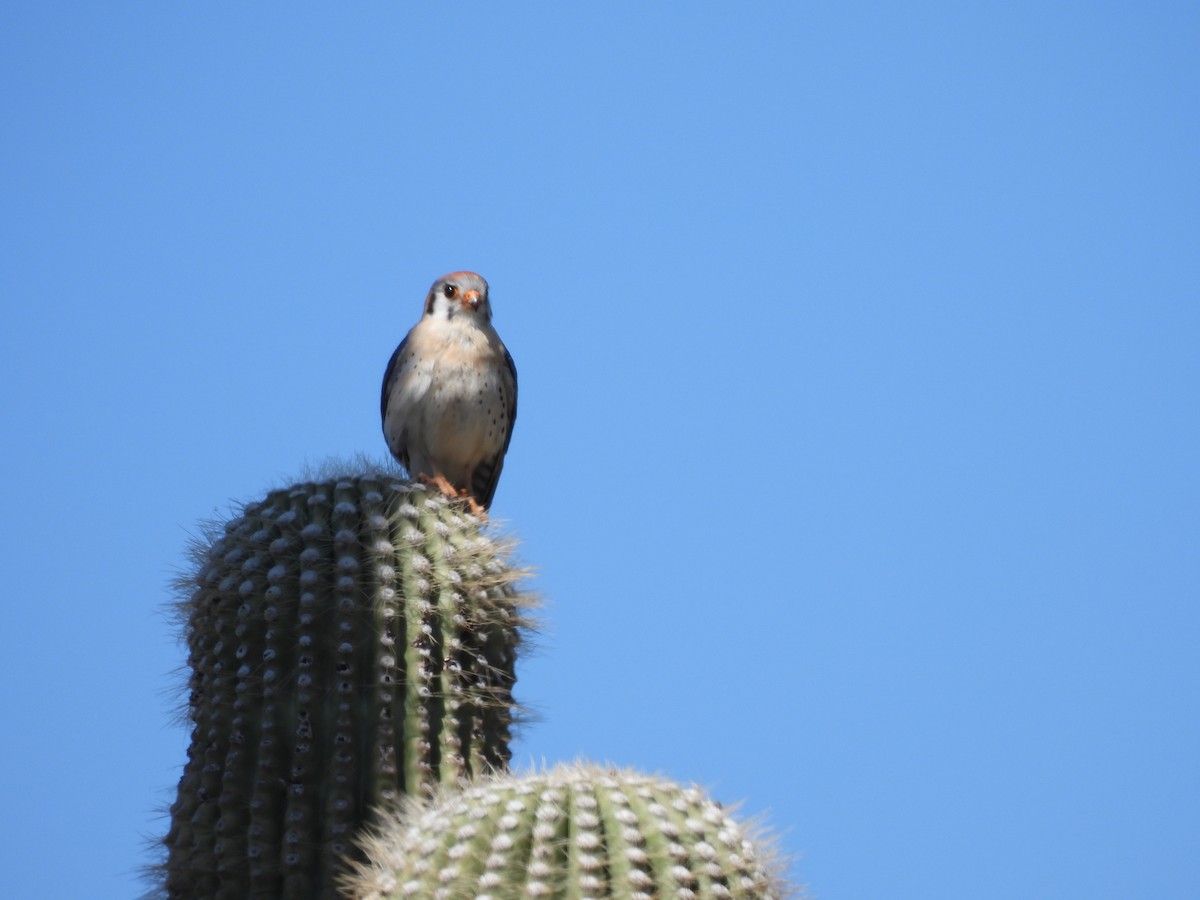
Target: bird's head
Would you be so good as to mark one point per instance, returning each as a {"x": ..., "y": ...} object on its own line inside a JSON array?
[{"x": 459, "y": 294}]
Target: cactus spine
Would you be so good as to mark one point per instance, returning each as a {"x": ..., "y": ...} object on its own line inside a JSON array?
[
  {"x": 574, "y": 831},
  {"x": 350, "y": 641}
]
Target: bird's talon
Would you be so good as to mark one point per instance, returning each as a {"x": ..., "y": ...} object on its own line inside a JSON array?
[{"x": 446, "y": 488}]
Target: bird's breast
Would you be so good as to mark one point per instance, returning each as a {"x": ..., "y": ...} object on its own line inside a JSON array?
[{"x": 453, "y": 394}]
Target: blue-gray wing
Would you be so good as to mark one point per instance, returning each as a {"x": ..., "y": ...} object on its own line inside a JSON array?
[
  {"x": 390, "y": 374},
  {"x": 487, "y": 474}
]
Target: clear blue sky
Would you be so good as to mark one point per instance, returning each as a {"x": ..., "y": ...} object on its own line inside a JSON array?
[{"x": 858, "y": 446}]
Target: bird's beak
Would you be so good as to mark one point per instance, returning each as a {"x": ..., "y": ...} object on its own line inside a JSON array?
[{"x": 470, "y": 300}]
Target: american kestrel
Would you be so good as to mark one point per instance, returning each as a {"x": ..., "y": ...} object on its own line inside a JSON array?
[{"x": 450, "y": 393}]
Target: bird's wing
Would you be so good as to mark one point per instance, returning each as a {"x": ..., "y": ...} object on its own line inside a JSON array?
[
  {"x": 389, "y": 375},
  {"x": 487, "y": 474}
]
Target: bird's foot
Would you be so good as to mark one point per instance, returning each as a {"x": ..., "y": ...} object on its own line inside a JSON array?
[{"x": 440, "y": 484}]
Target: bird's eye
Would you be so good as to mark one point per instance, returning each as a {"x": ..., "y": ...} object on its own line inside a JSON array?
[{"x": 449, "y": 290}]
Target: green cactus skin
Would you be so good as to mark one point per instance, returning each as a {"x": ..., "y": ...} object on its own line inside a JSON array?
[
  {"x": 574, "y": 831},
  {"x": 350, "y": 642}
]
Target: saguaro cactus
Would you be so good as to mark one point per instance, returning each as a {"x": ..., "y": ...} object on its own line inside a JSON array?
[
  {"x": 350, "y": 641},
  {"x": 573, "y": 831}
]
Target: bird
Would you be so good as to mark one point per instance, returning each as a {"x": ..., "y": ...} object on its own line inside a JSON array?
[{"x": 449, "y": 399}]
